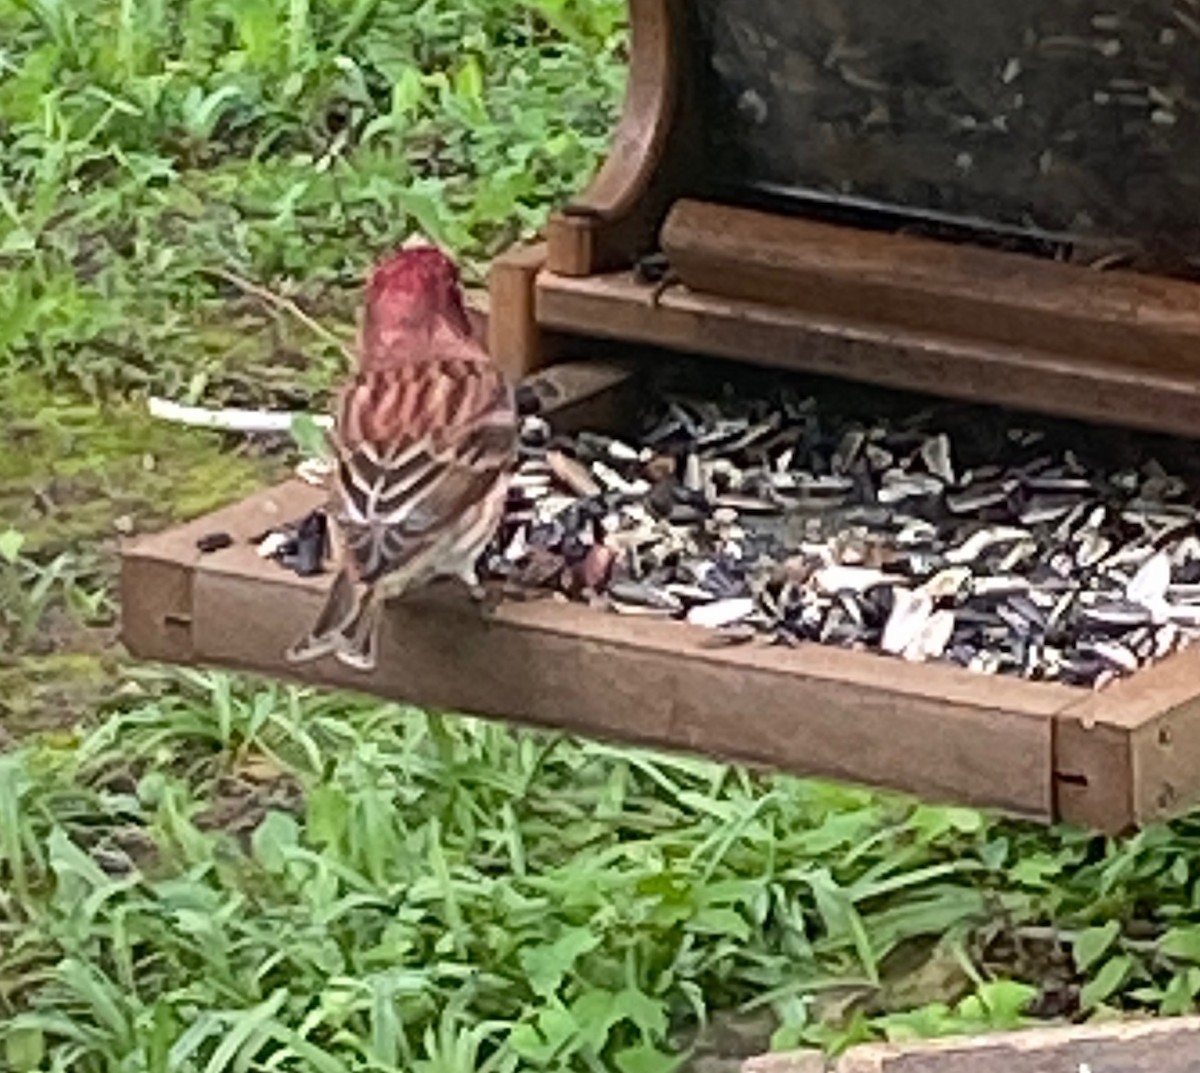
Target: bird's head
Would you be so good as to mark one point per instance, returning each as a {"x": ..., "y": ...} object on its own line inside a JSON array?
[{"x": 411, "y": 296}]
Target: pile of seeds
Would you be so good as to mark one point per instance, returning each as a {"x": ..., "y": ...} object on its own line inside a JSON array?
[{"x": 939, "y": 535}]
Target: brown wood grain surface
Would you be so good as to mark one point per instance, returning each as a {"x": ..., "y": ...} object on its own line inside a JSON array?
[
  {"x": 614, "y": 306},
  {"x": 1129, "y": 319},
  {"x": 514, "y": 339},
  {"x": 1152, "y": 720}
]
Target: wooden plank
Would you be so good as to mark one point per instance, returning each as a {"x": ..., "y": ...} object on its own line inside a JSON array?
[
  {"x": 1129, "y": 319},
  {"x": 1166, "y": 760},
  {"x": 807, "y": 1061},
  {"x": 614, "y": 306},
  {"x": 933, "y": 730},
  {"x": 1153, "y": 719},
  {"x": 1171, "y": 1045}
]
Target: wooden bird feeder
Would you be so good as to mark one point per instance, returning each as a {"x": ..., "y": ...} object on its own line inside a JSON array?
[{"x": 888, "y": 191}]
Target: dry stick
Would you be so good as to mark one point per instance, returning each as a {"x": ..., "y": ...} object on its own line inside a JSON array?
[{"x": 286, "y": 305}]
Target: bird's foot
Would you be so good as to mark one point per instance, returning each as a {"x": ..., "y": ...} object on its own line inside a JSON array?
[
  {"x": 670, "y": 279},
  {"x": 315, "y": 471},
  {"x": 486, "y": 598}
]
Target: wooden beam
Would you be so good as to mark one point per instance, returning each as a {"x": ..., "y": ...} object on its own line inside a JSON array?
[
  {"x": 860, "y": 348},
  {"x": 478, "y": 312},
  {"x": 1136, "y": 321}
]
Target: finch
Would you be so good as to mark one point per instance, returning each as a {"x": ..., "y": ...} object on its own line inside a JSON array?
[{"x": 425, "y": 439}]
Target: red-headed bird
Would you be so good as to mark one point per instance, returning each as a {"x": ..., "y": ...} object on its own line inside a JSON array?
[{"x": 425, "y": 438}]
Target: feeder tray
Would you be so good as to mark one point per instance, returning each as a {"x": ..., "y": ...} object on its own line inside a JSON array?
[{"x": 916, "y": 197}]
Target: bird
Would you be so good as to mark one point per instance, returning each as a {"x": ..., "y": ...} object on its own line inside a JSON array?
[{"x": 424, "y": 441}]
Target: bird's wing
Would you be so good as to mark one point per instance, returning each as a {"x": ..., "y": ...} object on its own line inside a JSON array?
[{"x": 418, "y": 447}]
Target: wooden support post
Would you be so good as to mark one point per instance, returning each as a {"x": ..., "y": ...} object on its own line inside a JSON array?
[{"x": 514, "y": 339}]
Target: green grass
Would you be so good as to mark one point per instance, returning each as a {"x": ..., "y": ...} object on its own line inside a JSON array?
[
  {"x": 150, "y": 144},
  {"x": 201, "y": 872},
  {"x": 225, "y": 874}
]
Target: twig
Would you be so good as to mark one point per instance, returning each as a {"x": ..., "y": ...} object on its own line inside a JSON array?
[
  {"x": 231, "y": 420},
  {"x": 285, "y": 304}
]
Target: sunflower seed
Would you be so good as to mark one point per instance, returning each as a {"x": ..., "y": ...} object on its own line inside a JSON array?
[
  {"x": 1149, "y": 585},
  {"x": 721, "y": 613},
  {"x": 834, "y": 579},
  {"x": 631, "y": 596},
  {"x": 911, "y": 612},
  {"x": 933, "y": 637},
  {"x": 935, "y": 453},
  {"x": 979, "y": 497},
  {"x": 574, "y": 475},
  {"x": 946, "y": 583},
  {"x": 974, "y": 547}
]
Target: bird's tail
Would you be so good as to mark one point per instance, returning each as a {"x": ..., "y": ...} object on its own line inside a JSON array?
[{"x": 347, "y": 627}]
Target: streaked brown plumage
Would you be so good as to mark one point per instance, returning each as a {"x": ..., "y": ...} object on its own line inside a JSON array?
[{"x": 425, "y": 438}]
